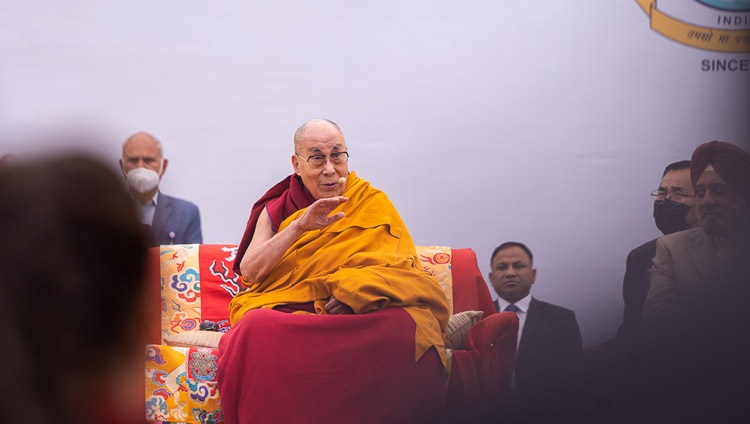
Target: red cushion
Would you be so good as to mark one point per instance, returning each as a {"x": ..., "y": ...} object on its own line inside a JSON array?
[{"x": 481, "y": 374}]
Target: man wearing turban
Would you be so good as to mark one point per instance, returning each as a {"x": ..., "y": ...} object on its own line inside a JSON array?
[
  {"x": 688, "y": 264},
  {"x": 696, "y": 315}
]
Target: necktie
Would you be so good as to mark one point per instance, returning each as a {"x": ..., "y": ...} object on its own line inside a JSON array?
[{"x": 512, "y": 308}]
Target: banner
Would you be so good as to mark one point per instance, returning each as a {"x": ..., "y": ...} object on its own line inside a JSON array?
[{"x": 707, "y": 38}]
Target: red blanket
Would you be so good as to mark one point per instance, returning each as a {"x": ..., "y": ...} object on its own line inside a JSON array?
[{"x": 288, "y": 368}]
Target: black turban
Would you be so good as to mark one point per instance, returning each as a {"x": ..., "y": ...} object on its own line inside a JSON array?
[{"x": 730, "y": 162}]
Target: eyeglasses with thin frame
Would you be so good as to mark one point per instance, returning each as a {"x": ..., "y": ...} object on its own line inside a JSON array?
[
  {"x": 319, "y": 161},
  {"x": 675, "y": 197}
]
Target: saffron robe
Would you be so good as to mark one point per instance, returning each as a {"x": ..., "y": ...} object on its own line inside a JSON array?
[
  {"x": 367, "y": 260},
  {"x": 280, "y": 201}
]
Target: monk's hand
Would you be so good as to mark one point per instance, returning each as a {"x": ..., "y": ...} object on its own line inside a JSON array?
[
  {"x": 335, "y": 306},
  {"x": 316, "y": 216}
]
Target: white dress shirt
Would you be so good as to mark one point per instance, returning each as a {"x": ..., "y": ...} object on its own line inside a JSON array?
[
  {"x": 523, "y": 306},
  {"x": 523, "y": 310}
]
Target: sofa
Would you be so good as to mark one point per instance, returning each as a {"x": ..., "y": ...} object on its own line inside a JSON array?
[{"x": 192, "y": 287}]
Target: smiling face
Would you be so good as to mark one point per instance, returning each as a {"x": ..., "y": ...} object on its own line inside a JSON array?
[
  {"x": 320, "y": 137},
  {"x": 512, "y": 274}
]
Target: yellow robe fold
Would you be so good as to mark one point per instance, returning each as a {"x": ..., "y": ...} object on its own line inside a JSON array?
[{"x": 367, "y": 260}]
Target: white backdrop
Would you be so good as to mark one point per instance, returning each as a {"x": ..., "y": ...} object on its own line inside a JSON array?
[{"x": 544, "y": 122}]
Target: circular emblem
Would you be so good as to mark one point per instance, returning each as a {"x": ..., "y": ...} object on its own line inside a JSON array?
[
  {"x": 441, "y": 258},
  {"x": 728, "y": 5},
  {"x": 188, "y": 324},
  {"x": 715, "y": 25}
]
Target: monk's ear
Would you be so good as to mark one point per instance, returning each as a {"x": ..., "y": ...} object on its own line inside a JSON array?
[{"x": 295, "y": 164}]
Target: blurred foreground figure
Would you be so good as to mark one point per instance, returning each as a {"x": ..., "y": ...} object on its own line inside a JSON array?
[{"x": 71, "y": 294}]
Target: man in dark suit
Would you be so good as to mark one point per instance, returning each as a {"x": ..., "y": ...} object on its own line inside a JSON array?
[
  {"x": 549, "y": 347},
  {"x": 674, "y": 211},
  {"x": 688, "y": 264},
  {"x": 613, "y": 370},
  {"x": 696, "y": 315},
  {"x": 172, "y": 220}
]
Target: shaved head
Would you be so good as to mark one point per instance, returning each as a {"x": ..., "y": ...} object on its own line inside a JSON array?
[{"x": 300, "y": 133}]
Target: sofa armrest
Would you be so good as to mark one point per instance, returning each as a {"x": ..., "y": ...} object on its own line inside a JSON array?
[
  {"x": 481, "y": 372},
  {"x": 470, "y": 292}
]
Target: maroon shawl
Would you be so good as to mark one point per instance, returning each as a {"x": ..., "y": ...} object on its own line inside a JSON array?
[{"x": 282, "y": 200}]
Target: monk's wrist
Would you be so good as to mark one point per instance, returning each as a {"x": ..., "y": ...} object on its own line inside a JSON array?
[{"x": 296, "y": 228}]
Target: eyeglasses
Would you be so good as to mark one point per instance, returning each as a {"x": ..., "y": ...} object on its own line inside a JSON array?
[
  {"x": 319, "y": 161},
  {"x": 676, "y": 198}
]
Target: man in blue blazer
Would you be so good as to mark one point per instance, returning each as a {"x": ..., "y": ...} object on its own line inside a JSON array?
[
  {"x": 171, "y": 220},
  {"x": 549, "y": 346}
]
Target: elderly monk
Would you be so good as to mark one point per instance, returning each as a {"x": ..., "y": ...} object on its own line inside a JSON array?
[{"x": 324, "y": 241}]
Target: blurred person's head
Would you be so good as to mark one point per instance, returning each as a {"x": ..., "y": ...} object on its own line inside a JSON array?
[
  {"x": 674, "y": 200},
  {"x": 71, "y": 291},
  {"x": 721, "y": 175},
  {"x": 7, "y": 159}
]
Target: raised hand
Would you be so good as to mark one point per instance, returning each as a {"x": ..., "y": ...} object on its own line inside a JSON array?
[{"x": 316, "y": 216}]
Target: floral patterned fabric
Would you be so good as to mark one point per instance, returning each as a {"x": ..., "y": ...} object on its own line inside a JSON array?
[
  {"x": 197, "y": 283},
  {"x": 437, "y": 261},
  {"x": 181, "y": 385}
]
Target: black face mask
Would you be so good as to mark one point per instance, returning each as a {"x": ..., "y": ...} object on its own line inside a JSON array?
[{"x": 670, "y": 218}]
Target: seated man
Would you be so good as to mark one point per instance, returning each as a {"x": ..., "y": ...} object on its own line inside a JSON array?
[{"x": 324, "y": 241}]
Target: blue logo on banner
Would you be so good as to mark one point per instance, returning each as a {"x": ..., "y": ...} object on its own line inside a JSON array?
[{"x": 728, "y": 5}]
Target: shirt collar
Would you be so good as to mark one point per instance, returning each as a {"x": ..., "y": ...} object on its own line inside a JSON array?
[
  {"x": 154, "y": 201},
  {"x": 522, "y": 304}
]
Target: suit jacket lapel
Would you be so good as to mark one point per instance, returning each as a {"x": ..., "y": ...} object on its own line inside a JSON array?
[
  {"x": 533, "y": 318},
  {"x": 161, "y": 216},
  {"x": 703, "y": 254}
]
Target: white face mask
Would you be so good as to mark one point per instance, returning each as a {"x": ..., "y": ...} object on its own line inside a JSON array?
[{"x": 143, "y": 180}]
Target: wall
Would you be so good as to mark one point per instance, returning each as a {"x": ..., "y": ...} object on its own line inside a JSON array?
[{"x": 546, "y": 122}]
